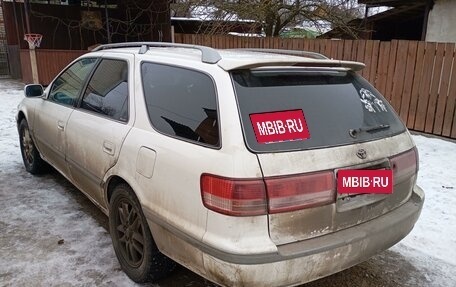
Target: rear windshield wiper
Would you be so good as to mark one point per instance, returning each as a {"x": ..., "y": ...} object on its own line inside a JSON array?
[{"x": 354, "y": 132}]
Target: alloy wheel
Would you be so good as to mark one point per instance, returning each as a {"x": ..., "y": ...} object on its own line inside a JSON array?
[
  {"x": 130, "y": 232},
  {"x": 27, "y": 145}
]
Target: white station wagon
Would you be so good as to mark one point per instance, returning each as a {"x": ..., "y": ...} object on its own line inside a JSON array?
[{"x": 249, "y": 167}]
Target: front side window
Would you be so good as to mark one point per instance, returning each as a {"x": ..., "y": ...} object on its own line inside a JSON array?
[
  {"x": 181, "y": 103},
  {"x": 107, "y": 91},
  {"x": 67, "y": 87}
]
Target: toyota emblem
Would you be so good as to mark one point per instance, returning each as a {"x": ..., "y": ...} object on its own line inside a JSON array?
[{"x": 362, "y": 154}]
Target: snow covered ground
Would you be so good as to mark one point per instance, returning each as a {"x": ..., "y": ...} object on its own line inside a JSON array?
[
  {"x": 432, "y": 243},
  {"x": 38, "y": 212}
]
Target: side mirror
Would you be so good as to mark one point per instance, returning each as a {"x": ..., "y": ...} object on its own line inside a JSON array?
[{"x": 32, "y": 91}]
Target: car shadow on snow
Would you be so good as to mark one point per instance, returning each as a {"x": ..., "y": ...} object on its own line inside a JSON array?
[
  {"x": 85, "y": 204},
  {"x": 387, "y": 269},
  {"x": 179, "y": 277}
]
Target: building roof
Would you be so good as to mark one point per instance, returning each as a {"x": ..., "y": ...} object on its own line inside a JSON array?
[
  {"x": 395, "y": 22},
  {"x": 391, "y": 3}
]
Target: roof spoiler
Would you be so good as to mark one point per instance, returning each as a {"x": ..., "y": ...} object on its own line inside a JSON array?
[
  {"x": 306, "y": 54},
  {"x": 316, "y": 63}
]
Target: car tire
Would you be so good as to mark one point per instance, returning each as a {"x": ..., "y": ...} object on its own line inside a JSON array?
[
  {"x": 32, "y": 159},
  {"x": 133, "y": 244}
]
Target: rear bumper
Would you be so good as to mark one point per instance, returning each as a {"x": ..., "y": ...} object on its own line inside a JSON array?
[{"x": 308, "y": 260}]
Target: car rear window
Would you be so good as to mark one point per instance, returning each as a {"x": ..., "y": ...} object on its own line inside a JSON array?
[{"x": 299, "y": 109}]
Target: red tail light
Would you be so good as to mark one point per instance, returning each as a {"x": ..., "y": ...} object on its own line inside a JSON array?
[
  {"x": 234, "y": 196},
  {"x": 404, "y": 165},
  {"x": 240, "y": 197},
  {"x": 301, "y": 191}
]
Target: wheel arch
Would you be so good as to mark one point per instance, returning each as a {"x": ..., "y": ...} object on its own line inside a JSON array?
[
  {"x": 111, "y": 183},
  {"x": 20, "y": 117},
  {"x": 24, "y": 113}
]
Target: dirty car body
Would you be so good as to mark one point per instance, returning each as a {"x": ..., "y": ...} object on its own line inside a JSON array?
[{"x": 229, "y": 157}]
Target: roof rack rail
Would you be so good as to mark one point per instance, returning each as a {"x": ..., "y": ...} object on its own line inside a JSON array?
[
  {"x": 288, "y": 52},
  {"x": 208, "y": 55}
]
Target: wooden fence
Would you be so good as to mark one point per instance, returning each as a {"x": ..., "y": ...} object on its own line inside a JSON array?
[
  {"x": 49, "y": 63},
  {"x": 418, "y": 78}
]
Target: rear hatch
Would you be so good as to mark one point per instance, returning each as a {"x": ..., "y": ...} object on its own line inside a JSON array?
[{"x": 307, "y": 124}]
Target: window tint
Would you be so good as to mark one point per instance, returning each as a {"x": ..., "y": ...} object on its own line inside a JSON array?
[
  {"x": 181, "y": 102},
  {"x": 107, "y": 91},
  {"x": 67, "y": 87},
  {"x": 338, "y": 108}
]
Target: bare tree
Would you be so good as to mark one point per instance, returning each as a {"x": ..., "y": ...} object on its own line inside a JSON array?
[
  {"x": 185, "y": 8},
  {"x": 275, "y": 15}
]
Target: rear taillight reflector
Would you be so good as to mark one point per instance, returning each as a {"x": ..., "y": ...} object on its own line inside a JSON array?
[
  {"x": 404, "y": 165},
  {"x": 300, "y": 191},
  {"x": 235, "y": 197}
]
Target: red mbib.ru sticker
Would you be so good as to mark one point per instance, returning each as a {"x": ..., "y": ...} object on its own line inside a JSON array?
[
  {"x": 280, "y": 126},
  {"x": 365, "y": 181}
]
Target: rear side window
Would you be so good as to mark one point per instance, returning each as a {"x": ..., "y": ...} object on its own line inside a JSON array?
[
  {"x": 299, "y": 109},
  {"x": 181, "y": 103},
  {"x": 107, "y": 91}
]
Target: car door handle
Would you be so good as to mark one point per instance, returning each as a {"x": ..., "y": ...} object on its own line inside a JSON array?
[
  {"x": 60, "y": 125},
  {"x": 109, "y": 148}
]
